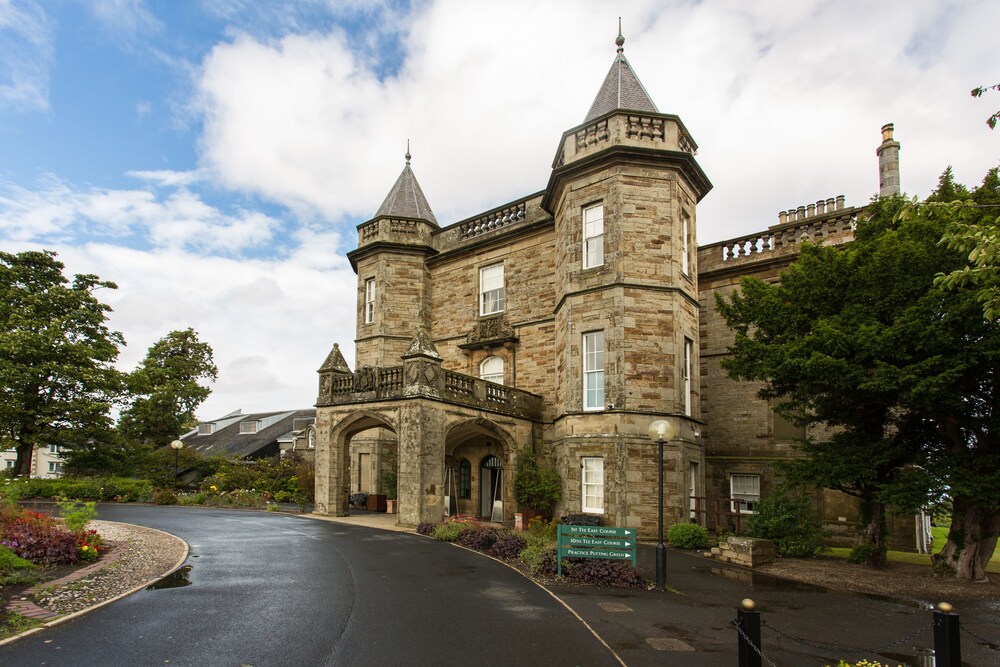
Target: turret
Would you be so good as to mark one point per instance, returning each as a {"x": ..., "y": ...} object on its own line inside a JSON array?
[
  {"x": 393, "y": 283},
  {"x": 888, "y": 164}
]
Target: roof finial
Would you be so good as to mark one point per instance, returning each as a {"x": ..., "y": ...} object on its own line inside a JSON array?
[
  {"x": 621, "y": 39},
  {"x": 407, "y": 156}
]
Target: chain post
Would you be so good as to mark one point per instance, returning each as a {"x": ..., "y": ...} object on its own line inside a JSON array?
[
  {"x": 748, "y": 622},
  {"x": 947, "y": 643}
]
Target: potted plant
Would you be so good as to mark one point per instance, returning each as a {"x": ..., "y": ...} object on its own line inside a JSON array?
[
  {"x": 537, "y": 484},
  {"x": 387, "y": 482}
]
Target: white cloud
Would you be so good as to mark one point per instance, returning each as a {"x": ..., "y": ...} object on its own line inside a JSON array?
[
  {"x": 125, "y": 22},
  {"x": 785, "y": 101},
  {"x": 26, "y": 54},
  {"x": 60, "y": 212}
]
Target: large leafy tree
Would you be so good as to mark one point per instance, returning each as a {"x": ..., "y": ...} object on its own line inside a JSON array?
[
  {"x": 902, "y": 371},
  {"x": 166, "y": 389},
  {"x": 57, "y": 379}
]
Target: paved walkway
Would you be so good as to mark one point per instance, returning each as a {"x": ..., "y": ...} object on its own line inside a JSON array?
[{"x": 691, "y": 623}]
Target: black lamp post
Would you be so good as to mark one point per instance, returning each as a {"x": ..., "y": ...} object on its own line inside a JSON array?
[
  {"x": 177, "y": 446},
  {"x": 661, "y": 431}
]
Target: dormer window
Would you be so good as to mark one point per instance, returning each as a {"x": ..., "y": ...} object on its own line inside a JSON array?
[
  {"x": 206, "y": 429},
  {"x": 491, "y": 289},
  {"x": 248, "y": 427}
]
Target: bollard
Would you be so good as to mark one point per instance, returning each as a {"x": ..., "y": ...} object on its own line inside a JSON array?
[
  {"x": 748, "y": 621},
  {"x": 947, "y": 645}
]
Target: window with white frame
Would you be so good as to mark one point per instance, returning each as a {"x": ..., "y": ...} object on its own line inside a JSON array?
[
  {"x": 53, "y": 449},
  {"x": 685, "y": 244},
  {"x": 593, "y": 370},
  {"x": 491, "y": 370},
  {"x": 593, "y": 484},
  {"x": 593, "y": 236},
  {"x": 10, "y": 463},
  {"x": 686, "y": 374},
  {"x": 744, "y": 489},
  {"x": 369, "y": 300},
  {"x": 55, "y": 466},
  {"x": 248, "y": 427},
  {"x": 491, "y": 289},
  {"x": 206, "y": 429}
]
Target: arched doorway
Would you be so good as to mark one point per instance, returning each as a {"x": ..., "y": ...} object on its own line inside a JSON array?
[{"x": 491, "y": 488}]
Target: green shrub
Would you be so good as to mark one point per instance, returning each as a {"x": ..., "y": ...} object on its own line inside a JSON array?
[
  {"x": 541, "y": 532},
  {"x": 99, "y": 489},
  {"x": 164, "y": 497},
  {"x": 688, "y": 536},
  {"x": 537, "y": 484},
  {"x": 541, "y": 560},
  {"x": 15, "y": 570},
  {"x": 867, "y": 554},
  {"x": 454, "y": 526},
  {"x": 77, "y": 515},
  {"x": 788, "y": 518},
  {"x": 189, "y": 499}
]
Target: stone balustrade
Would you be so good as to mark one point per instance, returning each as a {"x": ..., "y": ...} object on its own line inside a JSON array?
[
  {"x": 782, "y": 239},
  {"x": 387, "y": 383},
  {"x": 495, "y": 219}
]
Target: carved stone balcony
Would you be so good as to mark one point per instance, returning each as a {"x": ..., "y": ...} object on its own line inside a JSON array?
[{"x": 421, "y": 379}]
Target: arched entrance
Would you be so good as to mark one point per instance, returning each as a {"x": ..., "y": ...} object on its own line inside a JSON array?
[{"x": 491, "y": 488}]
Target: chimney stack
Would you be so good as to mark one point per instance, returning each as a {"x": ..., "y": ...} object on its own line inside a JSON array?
[{"x": 888, "y": 164}]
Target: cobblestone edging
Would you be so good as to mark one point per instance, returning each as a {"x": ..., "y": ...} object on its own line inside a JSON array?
[{"x": 139, "y": 557}]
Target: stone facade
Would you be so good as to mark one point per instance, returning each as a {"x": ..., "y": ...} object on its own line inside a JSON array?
[{"x": 541, "y": 300}]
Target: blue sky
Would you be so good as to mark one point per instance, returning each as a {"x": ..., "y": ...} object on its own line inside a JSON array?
[{"x": 213, "y": 157}]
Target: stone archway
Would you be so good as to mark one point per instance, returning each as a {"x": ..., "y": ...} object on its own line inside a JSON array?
[
  {"x": 336, "y": 474},
  {"x": 478, "y": 457}
]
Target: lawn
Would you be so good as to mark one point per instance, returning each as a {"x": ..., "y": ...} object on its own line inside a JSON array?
[{"x": 940, "y": 537}]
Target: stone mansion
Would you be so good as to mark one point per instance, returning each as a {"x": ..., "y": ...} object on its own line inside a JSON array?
[{"x": 574, "y": 316}]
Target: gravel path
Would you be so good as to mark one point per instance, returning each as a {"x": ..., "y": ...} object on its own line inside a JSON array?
[{"x": 144, "y": 555}]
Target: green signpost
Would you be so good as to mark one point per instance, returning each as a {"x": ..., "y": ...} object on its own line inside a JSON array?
[{"x": 596, "y": 542}]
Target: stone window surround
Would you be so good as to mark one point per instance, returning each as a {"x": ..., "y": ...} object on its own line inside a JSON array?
[
  {"x": 595, "y": 236},
  {"x": 687, "y": 362},
  {"x": 745, "y": 488},
  {"x": 492, "y": 369},
  {"x": 593, "y": 372},
  {"x": 592, "y": 477},
  {"x": 369, "y": 300},
  {"x": 685, "y": 243},
  {"x": 488, "y": 286}
]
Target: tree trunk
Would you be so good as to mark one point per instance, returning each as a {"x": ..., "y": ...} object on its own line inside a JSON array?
[
  {"x": 873, "y": 532},
  {"x": 22, "y": 467},
  {"x": 971, "y": 540}
]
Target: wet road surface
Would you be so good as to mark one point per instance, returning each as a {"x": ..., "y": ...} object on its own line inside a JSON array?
[{"x": 273, "y": 589}]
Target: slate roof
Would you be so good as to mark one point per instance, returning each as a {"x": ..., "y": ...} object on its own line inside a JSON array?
[
  {"x": 406, "y": 199},
  {"x": 228, "y": 441},
  {"x": 621, "y": 89}
]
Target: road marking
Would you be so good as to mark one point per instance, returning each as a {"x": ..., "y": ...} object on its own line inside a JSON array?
[{"x": 614, "y": 606}]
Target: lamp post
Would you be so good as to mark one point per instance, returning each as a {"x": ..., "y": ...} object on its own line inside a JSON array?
[
  {"x": 177, "y": 446},
  {"x": 660, "y": 432}
]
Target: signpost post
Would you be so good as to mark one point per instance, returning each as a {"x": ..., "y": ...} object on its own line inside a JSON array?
[{"x": 596, "y": 542}]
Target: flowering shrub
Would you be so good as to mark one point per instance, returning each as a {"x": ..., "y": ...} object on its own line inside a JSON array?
[
  {"x": 453, "y": 526},
  {"x": 479, "y": 539},
  {"x": 601, "y": 572},
  {"x": 541, "y": 560},
  {"x": 861, "y": 663},
  {"x": 36, "y": 537},
  {"x": 426, "y": 528},
  {"x": 91, "y": 545},
  {"x": 508, "y": 546},
  {"x": 164, "y": 497}
]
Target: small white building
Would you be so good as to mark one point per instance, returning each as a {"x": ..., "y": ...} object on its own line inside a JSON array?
[{"x": 46, "y": 461}]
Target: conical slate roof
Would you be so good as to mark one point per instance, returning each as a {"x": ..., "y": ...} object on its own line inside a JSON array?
[
  {"x": 621, "y": 89},
  {"x": 406, "y": 199}
]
